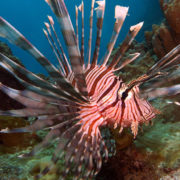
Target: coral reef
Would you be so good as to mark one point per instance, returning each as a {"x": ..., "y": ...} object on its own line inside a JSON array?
[
  {"x": 155, "y": 154},
  {"x": 165, "y": 36},
  {"x": 11, "y": 143},
  {"x": 140, "y": 66},
  {"x": 129, "y": 163},
  {"x": 172, "y": 13},
  {"x": 12, "y": 167},
  {"x": 161, "y": 39},
  {"x": 162, "y": 139}
]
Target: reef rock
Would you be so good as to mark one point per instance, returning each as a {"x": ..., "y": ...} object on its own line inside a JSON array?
[
  {"x": 171, "y": 9},
  {"x": 166, "y": 36},
  {"x": 128, "y": 164},
  {"x": 161, "y": 39}
]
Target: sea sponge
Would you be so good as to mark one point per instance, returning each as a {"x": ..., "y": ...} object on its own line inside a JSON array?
[
  {"x": 171, "y": 11},
  {"x": 166, "y": 36},
  {"x": 160, "y": 39}
]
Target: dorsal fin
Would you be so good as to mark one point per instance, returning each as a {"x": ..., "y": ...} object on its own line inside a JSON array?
[
  {"x": 51, "y": 21},
  {"x": 77, "y": 32},
  {"x": 60, "y": 10},
  {"x": 90, "y": 32},
  {"x": 120, "y": 15},
  {"x": 126, "y": 44},
  {"x": 100, "y": 17},
  {"x": 81, "y": 8},
  {"x": 127, "y": 61},
  {"x": 62, "y": 70},
  {"x": 55, "y": 49}
]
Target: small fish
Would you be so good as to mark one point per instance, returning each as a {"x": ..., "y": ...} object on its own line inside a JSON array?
[{"x": 82, "y": 97}]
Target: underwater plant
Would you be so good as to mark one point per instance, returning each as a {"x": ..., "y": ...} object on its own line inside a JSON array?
[{"x": 81, "y": 98}]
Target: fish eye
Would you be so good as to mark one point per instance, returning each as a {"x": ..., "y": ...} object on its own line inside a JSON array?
[{"x": 124, "y": 93}]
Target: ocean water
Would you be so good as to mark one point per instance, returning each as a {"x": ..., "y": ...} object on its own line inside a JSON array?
[{"x": 28, "y": 17}]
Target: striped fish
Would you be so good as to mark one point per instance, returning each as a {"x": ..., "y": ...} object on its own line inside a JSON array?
[{"x": 82, "y": 97}]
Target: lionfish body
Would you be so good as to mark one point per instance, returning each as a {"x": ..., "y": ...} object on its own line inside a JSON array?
[
  {"x": 82, "y": 97},
  {"x": 107, "y": 106}
]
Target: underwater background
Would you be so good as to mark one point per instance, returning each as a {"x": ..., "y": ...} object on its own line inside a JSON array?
[
  {"x": 29, "y": 17},
  {"x": 155, "y": 153}
]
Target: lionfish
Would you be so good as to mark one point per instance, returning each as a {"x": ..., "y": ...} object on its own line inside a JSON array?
[{"x": 82, "y": 97}]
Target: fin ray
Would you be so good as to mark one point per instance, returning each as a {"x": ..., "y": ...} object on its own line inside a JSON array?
[
  {"x": 34, "y": 79},
  {"x": 15, "y": 37},
  {"x": 120, "y": 15},
  {"x": 100, "y": 17},
  {"x": 59, "y": 8},
  {"x": 126, "y": 44},
  {"x": 51, "y": 21},
  {"x": 90, "y": 32}
]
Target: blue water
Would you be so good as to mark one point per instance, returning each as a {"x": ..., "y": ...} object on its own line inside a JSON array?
[{"x": 28, "y": 17}]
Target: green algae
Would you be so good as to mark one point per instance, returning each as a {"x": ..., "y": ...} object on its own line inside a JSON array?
[
  {"x": 162, "y": 139},
  {"x": 15, "y": 167}
]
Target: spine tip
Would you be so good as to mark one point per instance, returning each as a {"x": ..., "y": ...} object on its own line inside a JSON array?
[
  {"x": 47, "y": 25},
  {"x": 51, "y": 20}
]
